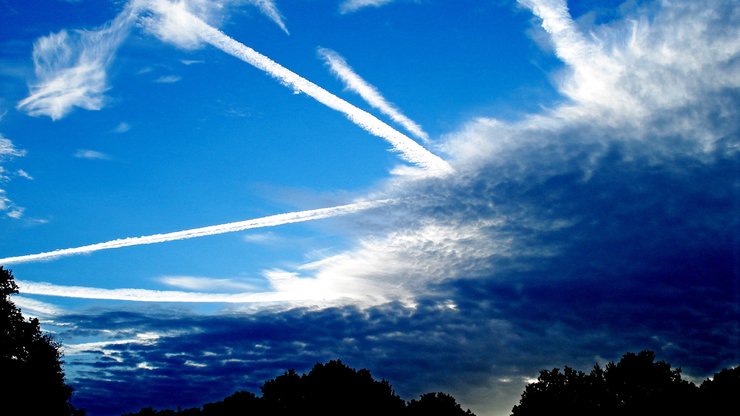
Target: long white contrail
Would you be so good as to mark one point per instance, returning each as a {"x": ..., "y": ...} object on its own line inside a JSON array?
[
  {"x": 269, "y": 221},
  {"x": 146, "y": 295},
  {"x": 409, "y": 149},
  {"x": 339, "y": 67}
]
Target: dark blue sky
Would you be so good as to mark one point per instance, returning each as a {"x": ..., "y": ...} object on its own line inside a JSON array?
[{"x": 590, "y": 209}]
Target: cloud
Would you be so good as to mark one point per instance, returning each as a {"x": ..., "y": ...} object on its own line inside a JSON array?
[
  {"x": 269, "y": 221},
  {"x": 350, "y": 6},
  {"x": 8, "y": 151},
  {"x": 23, "y": 174},
  {"x": 168, "y": 79},
  {"x": 369, "y": 93},
  {"x": 91, "y": 154},
  {"x": 71, "y": 68},
  {"x": 208, "y": 283},
  {"x": 269, "y": 9},
  {"x": 34, "y": 308},
  {"x": 122, "y": 127}
]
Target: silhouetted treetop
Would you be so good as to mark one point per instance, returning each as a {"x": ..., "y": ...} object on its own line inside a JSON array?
[
  {"x": 330, "y": 389},
  {"x": 436, "y": 404},
  {"x": 31, "y": 375},
  {"x": 637, "y": 385}
]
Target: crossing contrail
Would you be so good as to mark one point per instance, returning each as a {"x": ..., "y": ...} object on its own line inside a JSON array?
[
  {"x": 369, "y": 93},
  {"x": 269, "y": 221},
  {"x": 409, "y": 149}
]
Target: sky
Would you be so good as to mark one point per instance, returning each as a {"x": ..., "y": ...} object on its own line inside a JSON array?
[{"x": 199, "y": 195}]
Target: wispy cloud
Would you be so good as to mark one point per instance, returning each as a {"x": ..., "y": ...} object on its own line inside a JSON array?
[
  {"x": 36, "y": 308},
  {"x": 9, "y": 151},
  {"x": 269, "y": 221},
  {"x": 122, "y": 127},
  {"x": 189, "y": 62},
  {"x": 195, "y": 28},
  {"x": 369, "y": 93},
  {"x": 207, "y": 283},
  {"x": 349, "y": 6},
  {"x": 269, "y": 9},
  {"x": 71, "y": 68},
  {"x": 23, "y": 174},
  {"x": 90, "y": 154},
  {"x": 168, "y": 79}
]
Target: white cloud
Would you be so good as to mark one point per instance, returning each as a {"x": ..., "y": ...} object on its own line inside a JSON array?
[
  {"x": 35, "y": 308},
  {"x": 23, "y": 174},
  {"x": 269, "y": 9},
  {"x": 71, "y": 68},
  {"x": 122, "y": 127},
  {"x": 8, "y": 151},
  {"x": 207, "y": 283},
  {"x": 369, "y": 93},
  {"x": 91, "y": 154},
  {"x": 349, "y": 6},
  {"x": 168, "y": 79},
  {"x": 16, "y": 213}
]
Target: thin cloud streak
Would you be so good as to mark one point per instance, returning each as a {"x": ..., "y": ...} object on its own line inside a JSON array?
[
  {"x": 349, "y": 6},
  {"x": 269, "y": 9},
  {"x": 409, "y": 149},
  {"x": 368, "y": 92},
  {"x": 269, "y": 221}
]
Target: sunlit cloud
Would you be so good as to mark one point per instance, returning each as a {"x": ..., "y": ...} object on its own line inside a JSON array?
[
  {"x": 122, "y": 127},
  {"x": 369, "y": 93}
]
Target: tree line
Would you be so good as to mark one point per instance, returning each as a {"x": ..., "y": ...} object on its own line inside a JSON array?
[{"x": 32, "y": 383}]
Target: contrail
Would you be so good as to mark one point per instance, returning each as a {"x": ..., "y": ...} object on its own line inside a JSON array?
[
  {"x": 146, "y": 295},
  {"x": 369, "y": 93},
  {"x": 269, "y": 221},
  {"x": 409, "y": 149}
]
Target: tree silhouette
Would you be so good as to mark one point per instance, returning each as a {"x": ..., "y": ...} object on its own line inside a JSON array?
[
  {"x": 436, "y": 404},
  {"x": 720, "y": 393},
  {"x": 636, "y": 385},
  {"x": 330, "y": 389},
  {"x": 31, "y": 376}
]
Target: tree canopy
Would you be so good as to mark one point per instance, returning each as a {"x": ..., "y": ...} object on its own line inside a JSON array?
[
  {"x": 330, "y": 389},
  {"x": 636, "y": 385},
  {"x": 32, "y": 378}
]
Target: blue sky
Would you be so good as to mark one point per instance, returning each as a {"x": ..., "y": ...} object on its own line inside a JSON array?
[{"x": 453, "y": 195}]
